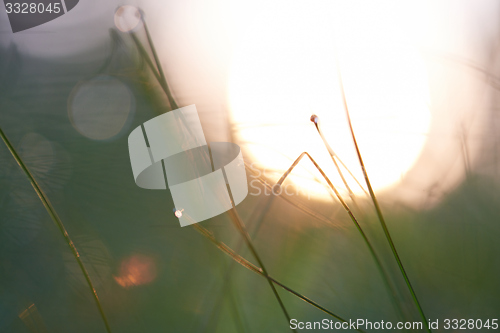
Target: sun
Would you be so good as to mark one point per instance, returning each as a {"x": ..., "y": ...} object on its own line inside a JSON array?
[{"x": 285, "y": 69}]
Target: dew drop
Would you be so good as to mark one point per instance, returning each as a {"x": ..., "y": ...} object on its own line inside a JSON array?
[
  {"x": 178, "y": 213},
  {"x": 100, "y": 107},
  {"x": 127, "y": 18}
]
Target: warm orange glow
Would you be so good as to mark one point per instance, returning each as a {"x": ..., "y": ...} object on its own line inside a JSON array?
[
  {"x": 136, "y": 270},
  {"x": 284, "y": 70}
]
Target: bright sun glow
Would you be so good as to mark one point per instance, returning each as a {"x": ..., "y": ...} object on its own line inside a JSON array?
[{"x": 284, "y": 70}]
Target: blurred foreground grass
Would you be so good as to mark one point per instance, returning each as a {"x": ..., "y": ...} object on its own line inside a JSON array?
[{"x": 451, "y": 251}]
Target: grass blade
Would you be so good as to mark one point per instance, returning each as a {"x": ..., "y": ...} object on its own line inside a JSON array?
[
  {"x": 378, "y": 263},
  {"x": 377, "y": 206},
  {"x": 335, "y": 157},
  {"x": 245, "y": 263},
  {"x": 241, "y": 227},
  {"x": 50, "y": 209},
  {"x": 296, "y": 204}
]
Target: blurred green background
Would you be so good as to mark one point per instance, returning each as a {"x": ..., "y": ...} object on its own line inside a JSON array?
[{"x": 154, "y": 276}]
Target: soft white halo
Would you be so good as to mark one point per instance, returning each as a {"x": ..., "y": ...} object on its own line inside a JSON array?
[
  {"x": 99, "y": 108},
  {"x": 127, "y": 18}
]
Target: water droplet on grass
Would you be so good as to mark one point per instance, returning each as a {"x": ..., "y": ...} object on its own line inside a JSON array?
[{"x": 127, "y": 18}]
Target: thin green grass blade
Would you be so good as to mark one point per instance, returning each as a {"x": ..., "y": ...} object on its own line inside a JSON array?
[
  {"x": 159, "y": 75},
  {"x": 335, "y": 158},
  {"x": 50, "y": 209},
  {"x": 245, "y": 263},
  {"x": 383, "y": 273},
  {"x": 377, "y": 207},
  {"x": 241, "y": 227},
  {"x": 297, "y": 204},
  {"x": 158, "y": 69}
]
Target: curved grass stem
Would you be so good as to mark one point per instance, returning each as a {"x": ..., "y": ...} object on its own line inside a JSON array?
[
  {"x": 296, "y": 204},
  {"x": 335, "y": 157},
  {"x": 241, "y": 227},
  {"x": 155, "y": 67},
  {"x": 52, "y": 212},
  {"x": 245, "y": 263},
  {"x": 377, "y": 206},
  {"x": 383, "y": 273}
]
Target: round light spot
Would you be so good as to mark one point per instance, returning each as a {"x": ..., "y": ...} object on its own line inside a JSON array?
[
  {"x": 285, "y": 69},
  {"x": 127, "y": 18},
  {"x": 136, "y": 270},
  {"x": 99, "y": 108},
  {"x": 178, "y": 213}
]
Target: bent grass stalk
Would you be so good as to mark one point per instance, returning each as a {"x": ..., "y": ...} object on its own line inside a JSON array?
[
  {"x": 315, "y": 120},
  {"x": 298, "y": 205},
  {"x": 163, "y": 80},
  {"x": 335, "y": 157},
  {"x": 50, "y": 209},
  {"x": 258, "y": 216},
  {"x": 377, "y": 206},
  {"x": 245, "y": 263},
  {"x": 233, "y": 213},
  {"x": 159, "y": 75},
  {"x": 158, "y": 69},
  {"x": 378, "y": 263}
]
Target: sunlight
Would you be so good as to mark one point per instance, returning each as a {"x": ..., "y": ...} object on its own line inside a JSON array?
[{"x": 284, "y": 69}]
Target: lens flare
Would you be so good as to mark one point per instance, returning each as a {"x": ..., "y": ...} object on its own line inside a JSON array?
[
  {"x": 128, "y": 18},
  {"x": 136, "y": 270},
  {"x": 100, "y": 108},
  {"x": 287, "y": 66}
]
